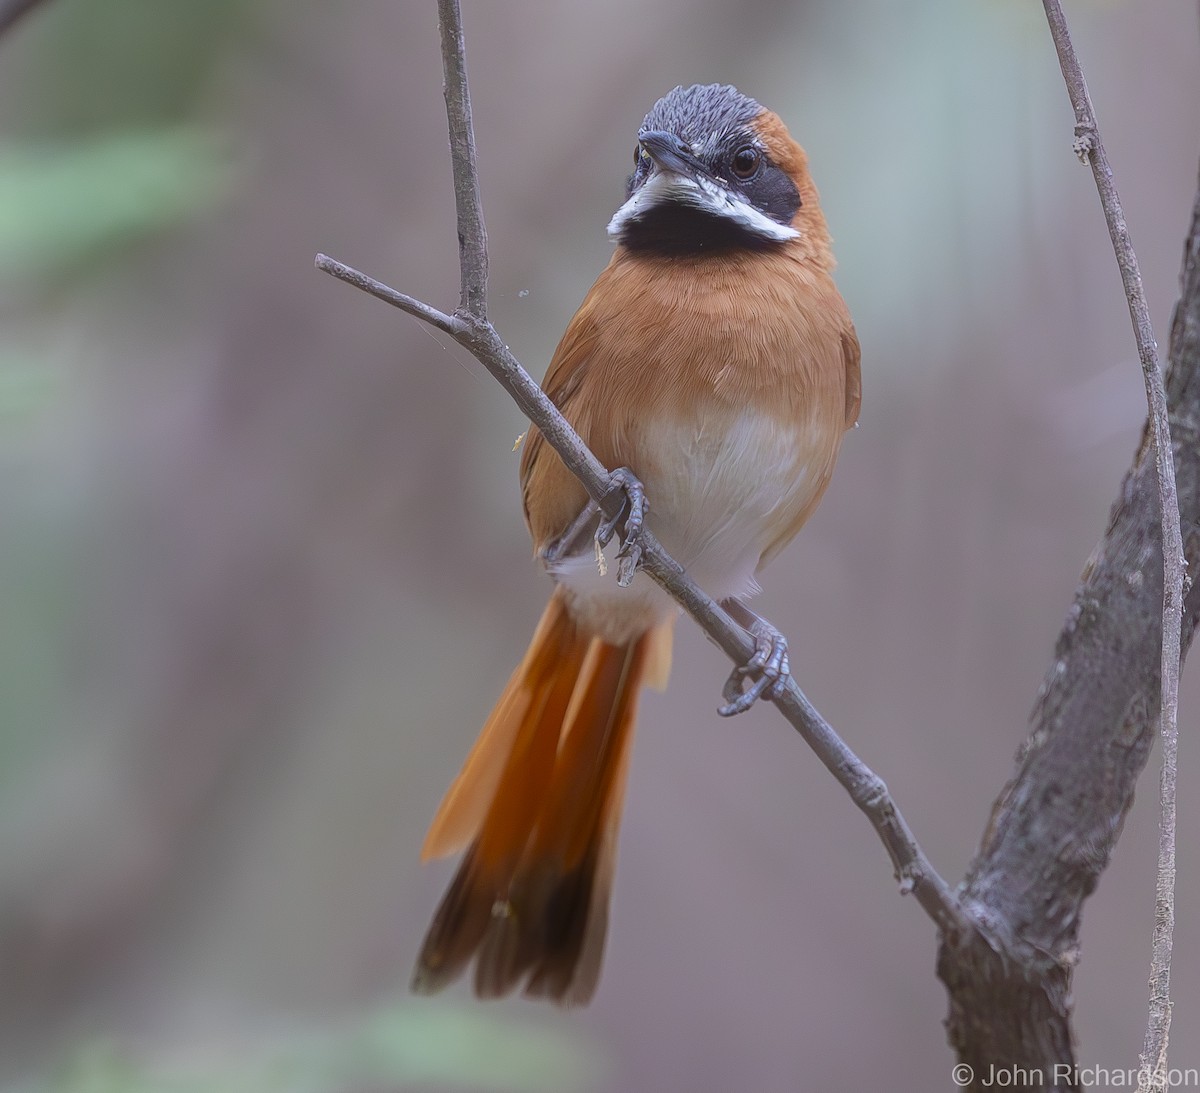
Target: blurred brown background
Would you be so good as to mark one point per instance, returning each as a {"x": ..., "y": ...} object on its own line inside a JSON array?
[{"x": 262, "y": 567}]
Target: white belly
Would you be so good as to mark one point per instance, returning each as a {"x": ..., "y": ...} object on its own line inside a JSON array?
[{"x": 720, "y": 491}]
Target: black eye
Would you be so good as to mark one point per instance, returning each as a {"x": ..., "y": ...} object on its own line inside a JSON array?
[{"x": 745, "y": 162}]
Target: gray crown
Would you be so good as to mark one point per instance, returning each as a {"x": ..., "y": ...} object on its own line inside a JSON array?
[{"x": 701, "y": 112}]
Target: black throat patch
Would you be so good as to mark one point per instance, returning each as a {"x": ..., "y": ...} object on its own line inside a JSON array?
[
  {"x": 673, "y": 229},
  {"x": 714, "y": 125}
]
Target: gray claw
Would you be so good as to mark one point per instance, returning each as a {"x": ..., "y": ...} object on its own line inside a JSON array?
[
  {"x": 630, "y": 519},
  {"x": 629, "y": 557},
  {"x": 769, "y": 668}
]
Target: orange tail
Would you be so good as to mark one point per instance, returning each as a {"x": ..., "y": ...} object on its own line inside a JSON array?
[{"x": 539, "y": 803}]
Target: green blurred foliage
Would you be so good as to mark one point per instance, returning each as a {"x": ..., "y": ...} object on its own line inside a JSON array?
[
  {"x": 101, "y": 151},
  {"x": 91, "y": 163},
  {"x": 38, "y": 587},
  {"x": 401, "y": 1046},
  {"x": 26, "y": 385},
  {"x": 142, "y": 62},
  {"x": 101, "y": 144},
  {"x": 63, "y": 204}
]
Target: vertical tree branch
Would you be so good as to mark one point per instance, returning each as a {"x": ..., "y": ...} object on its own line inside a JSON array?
[
  {"x": 1092, "y": 729},
  {"x": 468, "y": 203},
  {"x": 1091, "y": 150}
]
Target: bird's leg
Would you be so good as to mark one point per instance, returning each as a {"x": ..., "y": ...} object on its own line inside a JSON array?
[
  {"x": 768, "y": 668},
  {"x": 629, "y": 518},
  {"x": 573, "y": 539}
]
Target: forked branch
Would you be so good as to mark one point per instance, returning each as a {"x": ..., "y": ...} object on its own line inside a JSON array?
[
  {"x": 1090, "y": 149},
  {"x": 470, "y": 327}
]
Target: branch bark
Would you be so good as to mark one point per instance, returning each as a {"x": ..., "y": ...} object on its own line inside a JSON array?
[
  {"x": 1055, "y": 824},
  {"x": 1090, "y": 149}
]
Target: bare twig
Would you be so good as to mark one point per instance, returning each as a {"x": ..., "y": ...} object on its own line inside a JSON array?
[
  {"x": 468, "y": 203},
  {"x": 469, "y": 327},
  {"x": 449, "y": 324},
  {"x": 1090, "y": 148}
]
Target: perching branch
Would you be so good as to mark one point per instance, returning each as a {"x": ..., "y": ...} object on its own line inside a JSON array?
[
  {"x": 866, "y": 789},
  {"x": 1091, "y": 150},
  {"x": 470, "y": 327}
]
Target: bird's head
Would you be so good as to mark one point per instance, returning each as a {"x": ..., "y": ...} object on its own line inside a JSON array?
[{"x": 715, "y": 171}]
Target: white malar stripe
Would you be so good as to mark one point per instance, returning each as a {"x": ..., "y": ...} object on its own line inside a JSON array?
[{"x": 664, "y": 187}]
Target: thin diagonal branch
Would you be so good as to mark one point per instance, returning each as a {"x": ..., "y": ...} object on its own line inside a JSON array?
[
  {"x": 449, "y": 324},
  {"x": 1091, "y": 149},
  {"x": 471, "y": 329},
  {"x": 913, "y": 869}
]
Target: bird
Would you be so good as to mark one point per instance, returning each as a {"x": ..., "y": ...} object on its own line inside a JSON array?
[{"x": 715, "y": 366}]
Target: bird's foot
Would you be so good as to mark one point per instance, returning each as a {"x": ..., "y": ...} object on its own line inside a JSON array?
[
  {"x": 630, "y": 519},
  {"x": 768, "y": 669},
  {"x": 573, "y": 540}
]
